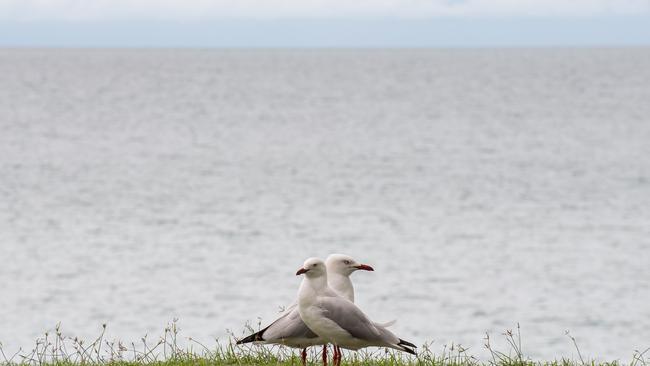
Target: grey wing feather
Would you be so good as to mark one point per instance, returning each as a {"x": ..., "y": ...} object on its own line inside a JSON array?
[
  {"x": 349, "y": 317},
  {"x": 289, "y": 325}
]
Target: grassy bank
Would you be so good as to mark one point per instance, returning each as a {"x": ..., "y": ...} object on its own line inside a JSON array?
[{"x": 170, "y": 349}]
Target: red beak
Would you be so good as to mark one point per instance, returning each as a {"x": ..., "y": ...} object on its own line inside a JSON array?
[
  {"x": 365, "y": 267},
  {"x": 301, "y": 271}
]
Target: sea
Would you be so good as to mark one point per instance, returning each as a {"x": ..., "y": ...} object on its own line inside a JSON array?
[{"x": 490, "y": 189}]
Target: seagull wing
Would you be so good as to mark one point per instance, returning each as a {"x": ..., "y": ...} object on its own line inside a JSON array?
[
  {"x": 290, "y": 325},
  {"x": 350, "y": 318}
]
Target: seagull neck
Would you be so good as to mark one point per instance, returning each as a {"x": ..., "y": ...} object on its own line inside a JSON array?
[
  {"x": 318, "y": 283},
  {"x": 310, "y": 288},
  {"x": 342, "y": 285}
]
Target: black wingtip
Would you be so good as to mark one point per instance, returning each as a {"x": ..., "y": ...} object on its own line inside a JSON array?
[
  {"x": 406, "y": 343},
  {"x": 408, "y": 350},
  {"x": 255, "y": 337}
]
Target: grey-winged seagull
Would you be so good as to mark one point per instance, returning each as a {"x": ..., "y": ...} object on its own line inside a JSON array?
[
  {"x": 336, "y": 319},
  {"x": 290, "y": 330}
]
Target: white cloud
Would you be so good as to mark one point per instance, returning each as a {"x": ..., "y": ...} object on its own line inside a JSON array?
[{"x": 207, "y": 9}]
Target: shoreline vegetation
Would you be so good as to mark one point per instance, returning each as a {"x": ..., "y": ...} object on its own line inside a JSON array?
[{"x": 171, "y": 349}]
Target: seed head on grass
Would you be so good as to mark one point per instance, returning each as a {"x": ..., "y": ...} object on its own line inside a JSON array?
[{"x": 56, "y": 349}]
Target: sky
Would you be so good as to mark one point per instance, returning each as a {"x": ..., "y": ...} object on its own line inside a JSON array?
[{"x": 324, "y": 23}]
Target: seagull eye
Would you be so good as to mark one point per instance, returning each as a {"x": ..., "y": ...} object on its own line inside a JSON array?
[{"x": 346, "y": 261}]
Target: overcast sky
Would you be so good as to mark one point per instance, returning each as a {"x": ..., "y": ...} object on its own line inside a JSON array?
[{"x": 321, "y": 23}]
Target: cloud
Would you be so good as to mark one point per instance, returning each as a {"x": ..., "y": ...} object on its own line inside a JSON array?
[{"x": 89, "y": 10}]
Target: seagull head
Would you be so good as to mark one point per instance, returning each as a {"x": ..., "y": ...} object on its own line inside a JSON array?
[
  {"x": 344, "y": 264},
  {"x": 313, "y": 267}
]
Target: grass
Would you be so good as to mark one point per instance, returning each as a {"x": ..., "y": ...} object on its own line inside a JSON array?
[{"x": 57, "y": 349}]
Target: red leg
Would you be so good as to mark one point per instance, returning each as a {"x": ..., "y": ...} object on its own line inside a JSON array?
[
  {"x": 303, "y": 355},
  {"x": 325, "y": 355},
  {"x": 338, "y": 355}
]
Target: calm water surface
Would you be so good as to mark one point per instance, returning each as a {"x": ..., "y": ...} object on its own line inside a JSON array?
[{"x": 486, "y": 187}]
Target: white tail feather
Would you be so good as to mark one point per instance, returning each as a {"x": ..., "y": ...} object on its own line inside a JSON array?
[{"x": 387, "y": 324}]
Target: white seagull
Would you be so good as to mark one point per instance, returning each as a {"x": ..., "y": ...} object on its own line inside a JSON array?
[
  {"x": 290, "y": 330},
  {"x": 336, "y": 319}
]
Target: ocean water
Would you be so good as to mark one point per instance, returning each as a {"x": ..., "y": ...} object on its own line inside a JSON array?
[{"x": 487, "y": 188}]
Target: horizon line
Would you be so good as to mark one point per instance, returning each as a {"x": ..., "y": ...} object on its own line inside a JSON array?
[{"x": 334, "y": 33}]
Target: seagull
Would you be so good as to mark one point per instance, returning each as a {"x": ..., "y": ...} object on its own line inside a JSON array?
[
  {"x": 290, "y": 330},
  {"x": 336, "y": 319}
]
